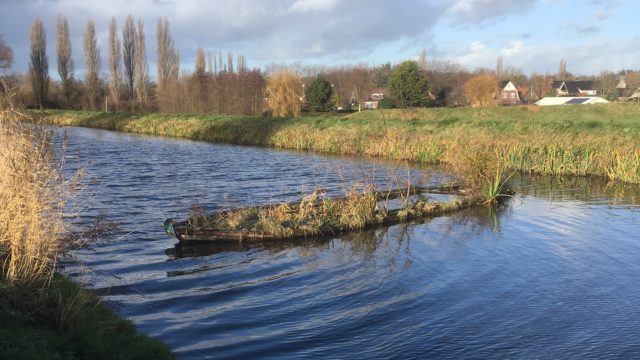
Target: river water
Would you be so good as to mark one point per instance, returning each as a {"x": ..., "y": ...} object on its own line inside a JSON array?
[{"x": 552, "y": 275}]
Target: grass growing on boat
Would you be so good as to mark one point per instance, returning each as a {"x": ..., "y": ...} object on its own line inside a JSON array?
[
  {"x": 362, "y": 207},
  {"x": 564, "y": 140}
]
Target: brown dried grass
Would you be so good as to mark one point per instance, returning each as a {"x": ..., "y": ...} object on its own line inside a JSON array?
[{"x": 32, "y": 194}]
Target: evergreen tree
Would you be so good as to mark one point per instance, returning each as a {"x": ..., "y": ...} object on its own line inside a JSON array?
[
  {"x": 408, "y": 85},
  {"x": 319, "y": 94}
]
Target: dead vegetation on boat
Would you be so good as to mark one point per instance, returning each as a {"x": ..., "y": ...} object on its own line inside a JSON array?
[{"x": 318, "y": 215}]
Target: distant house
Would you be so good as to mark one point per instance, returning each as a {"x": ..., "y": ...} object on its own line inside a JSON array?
[
  {"x": 371, "y": 105},
  {"x": 374, "y": 101},
  {"x": 574, "y": 88},
  {"x": 509, "y": 94},
  {"x": 571, "y": 100},
  {"x": 635, "y": 96},
  {"x": 527, "y": 95}
]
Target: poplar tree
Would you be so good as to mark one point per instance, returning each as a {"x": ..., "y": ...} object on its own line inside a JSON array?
[
  {"x": 93, "y": 64},
  {"x": 129, "y": 48},
  {"x": 115, "y": 71},
  {"x": 39, "y": 63},
  {"x": 65, "y": 62},
  {"x": 141, "y": 68}
]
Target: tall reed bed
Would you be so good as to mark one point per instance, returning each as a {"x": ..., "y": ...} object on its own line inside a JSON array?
[{"x": 32, "y": 198}]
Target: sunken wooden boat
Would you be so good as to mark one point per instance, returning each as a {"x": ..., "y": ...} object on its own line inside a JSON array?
[{"x": 317, "y": 216}]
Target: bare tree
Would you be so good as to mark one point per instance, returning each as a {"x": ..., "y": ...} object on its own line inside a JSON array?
[
  {"x": 200, "y": 62},
  {"x": 199, "y": 84},
  {"x": 423, "y": 61},
  {"x": 221, "y": 66},
  {"x": 39, "y": 63},
  {"x": 168, "y": 67},
  {"x": 65, "y": 62},
  {"x": 166, "y": 52},
  {"x": 230, "y": 61},
  {"x": 562, "y": 69},
  {"x": 115, "y": 71},
  {"x": 141, "y": 68},
  {"x": 129, "y": 48},
  {"x": 499, "y": 68},
  {"x": 241, "y": 63},
  {"x": 93, "y": 64},
  {"x": 6, "y": 54},
  {"x": 608, "y": 82}
]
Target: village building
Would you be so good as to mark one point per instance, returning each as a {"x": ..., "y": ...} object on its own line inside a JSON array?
[
  {"x": 509, "y": 94},
  {"x": 374, "y": 101},
  {"x": 574, "y": 88}
]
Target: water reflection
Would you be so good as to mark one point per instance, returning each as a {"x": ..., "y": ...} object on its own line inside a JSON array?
[
  {"x": 361, "y": 243},
  {"x": 552, "y": 275},
  {"x": 587, "y": 189}
]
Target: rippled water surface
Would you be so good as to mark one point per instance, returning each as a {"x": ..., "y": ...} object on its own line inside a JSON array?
[{"x": 554, "y": 274}]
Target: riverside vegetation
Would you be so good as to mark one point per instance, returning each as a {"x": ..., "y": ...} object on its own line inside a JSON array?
[
  {"x": 317, "y": 215},
  {"x": 602, "y": 140},
  {"x": 43, "y": 314}
]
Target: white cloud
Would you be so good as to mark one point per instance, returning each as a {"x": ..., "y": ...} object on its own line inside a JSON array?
[
  {"x": 584, "y": 58},
  {"x": 483, "y": 11},
  {"x": 303, "y": 6},
  {"x": 319, "y": 31}
]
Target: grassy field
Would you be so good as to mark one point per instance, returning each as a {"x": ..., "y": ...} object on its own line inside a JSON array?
[{"x": 564, "y": 140}]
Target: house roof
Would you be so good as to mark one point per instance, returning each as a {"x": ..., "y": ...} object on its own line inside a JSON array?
[
  {"x": 523, "y": 90},
  {"x": 574, "y": 87},
  {"x": 505, "y": 83},
  {"x": 621, "y": 84},
  {"x": 574, "y": 100}
]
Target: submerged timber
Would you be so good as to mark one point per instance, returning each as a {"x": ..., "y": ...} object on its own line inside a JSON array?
[{"x": 316, "y": 216}]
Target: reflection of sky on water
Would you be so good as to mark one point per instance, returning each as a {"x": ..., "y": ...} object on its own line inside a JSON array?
[{"x": 552, "y": 274}]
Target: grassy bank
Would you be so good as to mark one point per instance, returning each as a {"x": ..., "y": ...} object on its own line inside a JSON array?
[
  {"x": 565, "y": 140},
  {"x": 59, "y": 320}
]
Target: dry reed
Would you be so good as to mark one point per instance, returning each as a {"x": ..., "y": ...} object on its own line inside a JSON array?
[{"x": 32, "y": 194}]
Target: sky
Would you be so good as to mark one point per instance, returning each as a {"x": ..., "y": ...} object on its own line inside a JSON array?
[{"x": 530, "y": 35}]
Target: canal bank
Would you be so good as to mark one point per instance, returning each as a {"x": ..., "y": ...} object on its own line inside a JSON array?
[{"x": 597, "y": 140}]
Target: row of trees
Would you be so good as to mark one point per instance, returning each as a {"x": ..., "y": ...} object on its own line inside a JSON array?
[
  {"x": 222, "y": 83},
  {"x": 215, "y": 85}
]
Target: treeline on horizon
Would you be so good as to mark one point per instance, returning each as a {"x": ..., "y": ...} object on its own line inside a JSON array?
[{"x": 222, "y": 83}]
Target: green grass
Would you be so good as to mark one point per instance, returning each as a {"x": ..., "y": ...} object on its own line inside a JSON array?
[
  {"x": 562, "y": 140},
  {"x": 63, "y": 321}
]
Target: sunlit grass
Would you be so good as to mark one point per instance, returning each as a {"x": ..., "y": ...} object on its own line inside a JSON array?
[{"x": 565, "y": 140}]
